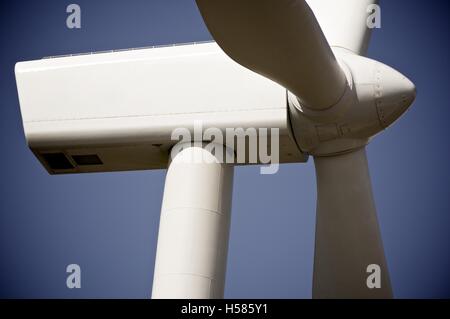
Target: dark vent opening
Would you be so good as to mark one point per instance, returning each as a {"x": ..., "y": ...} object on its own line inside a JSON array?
[
  {"x": 90, "y": 159},
  {"x": 57, "y": 161}
]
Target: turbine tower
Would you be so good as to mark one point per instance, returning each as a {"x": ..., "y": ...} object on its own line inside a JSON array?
[{"x": 294, "y": 65}]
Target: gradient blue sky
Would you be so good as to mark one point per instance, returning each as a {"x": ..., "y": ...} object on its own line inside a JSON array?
[{"x": 107, "y": 223}]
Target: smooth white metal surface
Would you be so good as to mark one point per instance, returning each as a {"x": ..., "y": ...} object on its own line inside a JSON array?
[
  {"x": 194, "y": 227},
  {"x": 348, "y": 237},
  {"x": 281, "y": 40},
  {"x": 123, "y": 106},
  {"x": 344, "y": 22},
  {"x": 172, "y": 80}
]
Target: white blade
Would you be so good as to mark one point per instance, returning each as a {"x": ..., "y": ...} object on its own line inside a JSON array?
[
  {"x": 344, "y": 22},
  {"x": 279, "y": 39},
  {"x": 347, "y": 234}
]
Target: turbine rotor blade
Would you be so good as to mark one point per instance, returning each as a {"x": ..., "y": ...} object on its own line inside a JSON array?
[
  {"x": 348, "y": 240},
  {"x": 346, "y": 23},
  {"x": 279, "y": 39}
]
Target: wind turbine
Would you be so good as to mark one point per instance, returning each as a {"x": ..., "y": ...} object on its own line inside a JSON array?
[{"x": 298, "y": 66}]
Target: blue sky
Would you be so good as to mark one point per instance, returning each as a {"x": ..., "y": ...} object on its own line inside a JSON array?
[{"x": 107, "y": 223}]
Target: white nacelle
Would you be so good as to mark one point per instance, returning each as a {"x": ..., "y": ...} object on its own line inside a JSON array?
[{"x": 117, "y": 110}]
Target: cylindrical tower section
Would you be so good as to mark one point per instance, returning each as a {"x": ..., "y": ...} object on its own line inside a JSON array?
[{"x": 194, "y": 226}]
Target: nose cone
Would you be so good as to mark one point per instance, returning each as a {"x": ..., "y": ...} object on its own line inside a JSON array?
[
  {"x": 394, "y": 95},
  {"x": 408, "y": 91}
]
